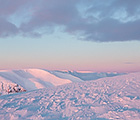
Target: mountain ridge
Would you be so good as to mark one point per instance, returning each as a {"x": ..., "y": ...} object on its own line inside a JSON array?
[{"x": 31, "y": 79}]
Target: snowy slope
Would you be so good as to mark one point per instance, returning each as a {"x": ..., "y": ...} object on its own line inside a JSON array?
[
  {"x": 104, "y": 99},
  {"x": 84, "y": 75},
  {"x": 89, "y": 75},
  {"x": 31, "y": 79},
  {"x": 66, "y": 75}
]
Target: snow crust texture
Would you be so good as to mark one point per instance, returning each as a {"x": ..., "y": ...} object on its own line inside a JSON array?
[{"x": 116, "y": 98}]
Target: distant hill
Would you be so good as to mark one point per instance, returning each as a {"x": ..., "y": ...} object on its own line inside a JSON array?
[{"x": 31, "y": 79}]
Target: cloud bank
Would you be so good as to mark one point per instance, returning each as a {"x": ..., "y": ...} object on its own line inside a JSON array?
[{"x": 102, "y": 21}]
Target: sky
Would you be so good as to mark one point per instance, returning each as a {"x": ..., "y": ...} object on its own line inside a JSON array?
[{"x": 93, "y": 35}]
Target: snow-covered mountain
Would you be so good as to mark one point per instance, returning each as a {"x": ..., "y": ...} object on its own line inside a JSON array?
[
  {"x": 112, "y": 98},
  {"x": 31, "y": 79},
  {"x": 89, "y": 75}
]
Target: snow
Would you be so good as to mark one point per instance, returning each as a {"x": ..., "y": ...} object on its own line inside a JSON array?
[
  {"x": 66, "y": 75},
  {"x": 46, "y": 76},
  {"x": 86, "y": 76},
  {"x": 108, "y": 98},
  {"x": 31, "y": 79}
]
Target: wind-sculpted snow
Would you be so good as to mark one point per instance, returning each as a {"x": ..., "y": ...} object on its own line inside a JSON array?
[{"x": 104, "y": 99}]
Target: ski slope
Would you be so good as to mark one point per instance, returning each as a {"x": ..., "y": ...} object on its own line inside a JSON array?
[{"x": 112, "y": 98}]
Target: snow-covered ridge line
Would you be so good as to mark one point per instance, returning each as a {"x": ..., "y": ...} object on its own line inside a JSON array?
[
  {"x": 88, "y": 75},
  {"x": 31, "y": 79}
]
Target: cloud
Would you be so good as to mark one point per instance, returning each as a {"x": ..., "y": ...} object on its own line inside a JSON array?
[
  {"x": 7, "y": 28},
  {"x": 103, "y": 21},
  {"x": 9, "y": 7}
]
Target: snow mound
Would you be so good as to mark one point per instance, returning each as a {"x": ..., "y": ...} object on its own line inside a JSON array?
[{"x": 104, "y": 99}]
